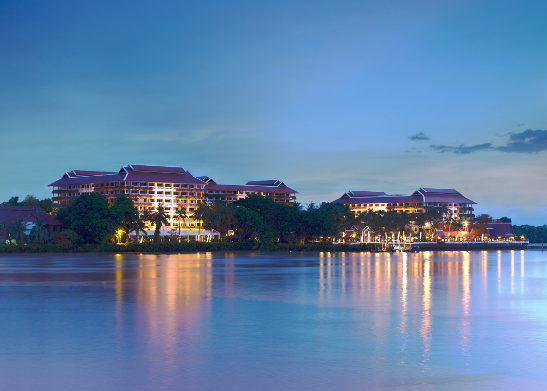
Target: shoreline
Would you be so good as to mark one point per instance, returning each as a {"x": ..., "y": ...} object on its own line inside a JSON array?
[{"x": 192, "y": 247}]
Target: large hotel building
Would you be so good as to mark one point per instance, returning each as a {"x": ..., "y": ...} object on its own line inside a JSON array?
[
  {"x": 172, "y": 187},
  {"x": 363, "y": 201}
]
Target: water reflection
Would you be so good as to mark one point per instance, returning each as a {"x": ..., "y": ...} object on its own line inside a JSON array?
[
  {"x": 274, "y": 321},
  {"x": 402, "y": 285}
]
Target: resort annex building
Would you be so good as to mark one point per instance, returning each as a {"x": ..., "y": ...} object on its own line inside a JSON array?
[
  {"x": 363, "y": 201},
  {"x": 152, "y": 186}
]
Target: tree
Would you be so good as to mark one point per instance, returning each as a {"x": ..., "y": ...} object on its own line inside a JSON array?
[
  {"x": 137, "y": 226},
  {"x": 250, "y": 224},
  {"x": 39, "y": 232},
  {"x": 124, "y": 214},
  {"x": 88, "y": 216},
  {"x": 18, "y": 231},
  {"x": 159, "y": 218},
  {"x": 181, "y": 214},
  {"x": 505, "y": 219},
  {"x": 13, "y": 201},
  {"x": 66, "y": 238}
]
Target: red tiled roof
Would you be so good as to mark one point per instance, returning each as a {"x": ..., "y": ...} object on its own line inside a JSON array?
[
  {"x": 439, "y": 191},
  {"x": 88, "y": 173},
  {"x": 177, "y": 175},
  {"x": 135, "y": 173},
  {"x": 382, "y": 199},
  {"x": 157, "y": 169},
  {"x": 265, "y": 189},
  {"x": 365, "y": 193},
  {"x": 450, "y": 196},
  {"x": 89, "y": 179}
]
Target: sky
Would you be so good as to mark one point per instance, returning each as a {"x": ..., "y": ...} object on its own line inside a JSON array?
[{"x": 327, "y": 96}]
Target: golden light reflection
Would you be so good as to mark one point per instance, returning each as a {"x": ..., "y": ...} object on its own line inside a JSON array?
[
  {"x": 173, "y": 293},
  {"x": 426, "y": 314},
  {"x": 512, "y": 271}
]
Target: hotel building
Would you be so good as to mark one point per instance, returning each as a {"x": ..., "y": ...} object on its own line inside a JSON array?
[
  {"x": 363, "y": 201},
  {"x": 229, "y": 193},
  {"x": 151, "y": 186}
]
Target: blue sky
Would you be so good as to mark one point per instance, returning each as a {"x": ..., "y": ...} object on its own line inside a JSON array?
[{"x": 327, "y": 96}]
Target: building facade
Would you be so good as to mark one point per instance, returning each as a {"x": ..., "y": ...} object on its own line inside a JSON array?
[
  {"x": 230, "y": 193},
  {"x": 457, "y": 205},
  {"x": 152, "y": 186}
]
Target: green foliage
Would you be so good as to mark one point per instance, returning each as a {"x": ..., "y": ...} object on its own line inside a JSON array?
[
  {"x": 535, "y": 234},
  {"x": 17, "y": 231},
  {"x": 265, "y": 221},
  {"x": 125, "y": 215},
  {"x": 388, "y": 222},
  {"x": 505, "y": 219},
  {"x": 46, "y": 204},
  {"x": 88, "y": 216},
  {"x": 159, "y": 218},
  {"x": 39, "y": 233},
  {"x": 66, "y": 238}
]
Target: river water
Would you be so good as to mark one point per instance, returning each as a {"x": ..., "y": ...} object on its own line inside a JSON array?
[{"x": 208, "y": 321}]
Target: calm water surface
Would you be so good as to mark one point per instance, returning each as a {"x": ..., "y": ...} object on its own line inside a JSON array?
[{"x": 426, "y": 321}]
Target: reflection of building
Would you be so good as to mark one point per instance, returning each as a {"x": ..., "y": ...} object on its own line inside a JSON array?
[
  {"x": 270, "y": 188},
  {"x": 375, "y": 201}
]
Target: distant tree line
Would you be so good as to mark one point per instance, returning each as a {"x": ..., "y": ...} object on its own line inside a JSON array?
[
  {"x": 259, "y": 218},
  {"x": 535, "y": 234},
  {"x": 90, "y": 219},
  {"x": 46, "y": 204}
]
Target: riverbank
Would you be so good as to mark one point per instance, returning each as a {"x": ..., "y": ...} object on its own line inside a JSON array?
[{"x": 253, "y": 246}]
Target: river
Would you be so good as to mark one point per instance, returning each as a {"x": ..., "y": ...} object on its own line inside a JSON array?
[{"x": 274, "y": 321}]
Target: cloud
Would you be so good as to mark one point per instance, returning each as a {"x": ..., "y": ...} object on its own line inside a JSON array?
[
  {"x": 419, "y": 136},
  {"x": 461, "y": 149},
  {"x": 527, "y": 141}
]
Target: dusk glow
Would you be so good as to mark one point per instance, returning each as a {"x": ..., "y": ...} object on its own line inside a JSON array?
[{"x": 327, "y": 97}]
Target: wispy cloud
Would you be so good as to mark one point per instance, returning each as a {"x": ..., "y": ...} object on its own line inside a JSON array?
[
  {"x": 419, "y": 136},
  {"x": 527, "y": 141},
  {"x": 461, "y": 149}
]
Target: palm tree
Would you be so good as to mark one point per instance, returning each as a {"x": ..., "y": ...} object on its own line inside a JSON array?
[
  {"x": 159, "y": 218},
  {"x": 181, "y": 215},
  {"x": 138, "y": 226},
  {"x": 18, "y": 231},
  {"x": 39, "y": 232}
]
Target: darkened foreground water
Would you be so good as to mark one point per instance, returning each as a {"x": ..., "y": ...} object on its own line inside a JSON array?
[{"x": 433, "y": 321}]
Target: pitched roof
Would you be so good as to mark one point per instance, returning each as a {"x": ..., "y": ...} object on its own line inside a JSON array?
[
  {"x": 78, "y": 173},
  {"x": 260, "y": 189},
  {"x": 364, "y": 193},
  {"x": 500, "y": 229},
  {"x": 266, "y": 182},
  {"x": 157, "y": 169},
  {"x": 132, "y": 172},
  {"x": 10, "y": 214},
  {"x": 379, "y": 199},
  {"x": 421, "y": 195},
  {"x": 450, "y": 196},
  {"x": 206, "y": 179},
  {"x": 140, "y": 173}
]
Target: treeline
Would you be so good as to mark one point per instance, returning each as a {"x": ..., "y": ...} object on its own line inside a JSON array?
[
  {"x": 258, "y": 218},
  {"x": 46, "y": 204},
  {"x": 169, "y": 246},
  {"x": 535, "y": 234}
]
